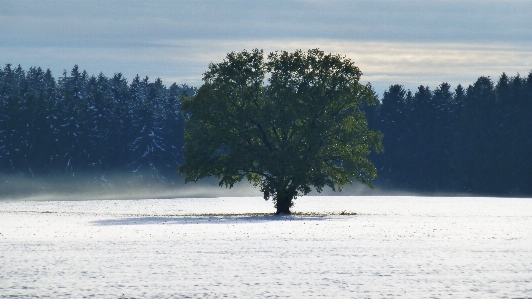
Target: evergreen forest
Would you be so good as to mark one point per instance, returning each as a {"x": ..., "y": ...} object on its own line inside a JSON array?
[
  {"x": 472, "y": 140},
  {"x": 79, "y": 123}
]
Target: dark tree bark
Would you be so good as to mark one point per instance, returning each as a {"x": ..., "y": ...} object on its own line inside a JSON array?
[
  {"x": 283, "y": 205},
  {"x": 284, "y": 200}
]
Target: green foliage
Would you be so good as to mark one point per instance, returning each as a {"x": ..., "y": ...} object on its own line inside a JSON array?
[{"x": 285, "y": 123}]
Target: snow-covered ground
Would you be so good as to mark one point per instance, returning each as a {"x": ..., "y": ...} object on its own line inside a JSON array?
[{"x": 394, "y": 247}]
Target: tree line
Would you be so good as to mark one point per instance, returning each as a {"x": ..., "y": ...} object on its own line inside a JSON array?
[
  {"x": 474, "y": 139},
  {"x": 78, "y": 123}
]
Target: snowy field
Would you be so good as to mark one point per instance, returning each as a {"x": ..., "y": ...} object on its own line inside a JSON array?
[{"x": 394, "y": 247}]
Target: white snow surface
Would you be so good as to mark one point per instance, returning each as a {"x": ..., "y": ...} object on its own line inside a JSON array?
[{"x": 394, "y": 247}]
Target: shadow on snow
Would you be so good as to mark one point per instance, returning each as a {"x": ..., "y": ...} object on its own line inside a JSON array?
[{"x": 207, "y": 219}]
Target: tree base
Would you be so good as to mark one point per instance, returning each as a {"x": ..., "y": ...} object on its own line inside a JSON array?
[
  {"x": 281, "y": 213},
  {"x": 283, "y": 208},
  {"x": 284, "y": 201}
]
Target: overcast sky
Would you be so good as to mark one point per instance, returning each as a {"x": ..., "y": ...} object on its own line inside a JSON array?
[{"x": 393, "y": 42}]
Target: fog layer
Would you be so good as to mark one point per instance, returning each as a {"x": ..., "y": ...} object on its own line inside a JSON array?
[{"x": 91, "y": 186}]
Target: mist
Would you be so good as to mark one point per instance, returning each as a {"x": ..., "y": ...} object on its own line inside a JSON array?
[
  {"x": 115, "y": 185},
  {"x": 154, "y": 185}
]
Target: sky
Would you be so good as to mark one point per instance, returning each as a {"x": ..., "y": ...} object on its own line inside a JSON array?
[{"x": 393, "y": 42}]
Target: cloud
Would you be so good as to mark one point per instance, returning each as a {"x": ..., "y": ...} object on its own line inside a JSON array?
[
  {"x": 405, "y": 42},
  {"x": 72, "y": 23},
  {"x": 383, "y": 63}
]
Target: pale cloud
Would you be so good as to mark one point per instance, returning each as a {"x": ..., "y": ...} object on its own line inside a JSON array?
[
  {"x": 108, "y": 22},
  {"x": 387, "y": 63},
  {"x": 408, "y": 42},
  {"x": 383, "y": 63}
]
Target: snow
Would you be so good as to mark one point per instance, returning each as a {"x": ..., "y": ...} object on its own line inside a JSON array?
[{"x": 394, "y": 247}]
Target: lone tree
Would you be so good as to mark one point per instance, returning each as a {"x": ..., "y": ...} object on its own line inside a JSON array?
[{"x": 286, "y": 123}]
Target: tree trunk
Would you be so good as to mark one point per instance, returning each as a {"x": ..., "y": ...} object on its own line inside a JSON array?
[
  {"x": 283, "y": 201},
  {"x": 283, "y": 205}
]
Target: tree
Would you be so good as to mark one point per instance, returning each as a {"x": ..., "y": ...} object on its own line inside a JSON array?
[
  {"x": 39, "y": 96},
  {"x": 147, "y": 147},
  {"x": 394, "y": 123},
  {"x": 72, "y": 107},
  {"x": 174, "y": 124},
  {"x": 305, "y": 128},
  {"x": 119, "y": 89}
]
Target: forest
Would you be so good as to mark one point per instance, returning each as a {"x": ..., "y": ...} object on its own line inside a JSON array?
[
  {"x": 472, "y": 140},
  {"x": 79, "y": 123}
]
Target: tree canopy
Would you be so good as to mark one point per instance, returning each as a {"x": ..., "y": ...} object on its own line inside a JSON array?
[{"x": 286, "y": 123}]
